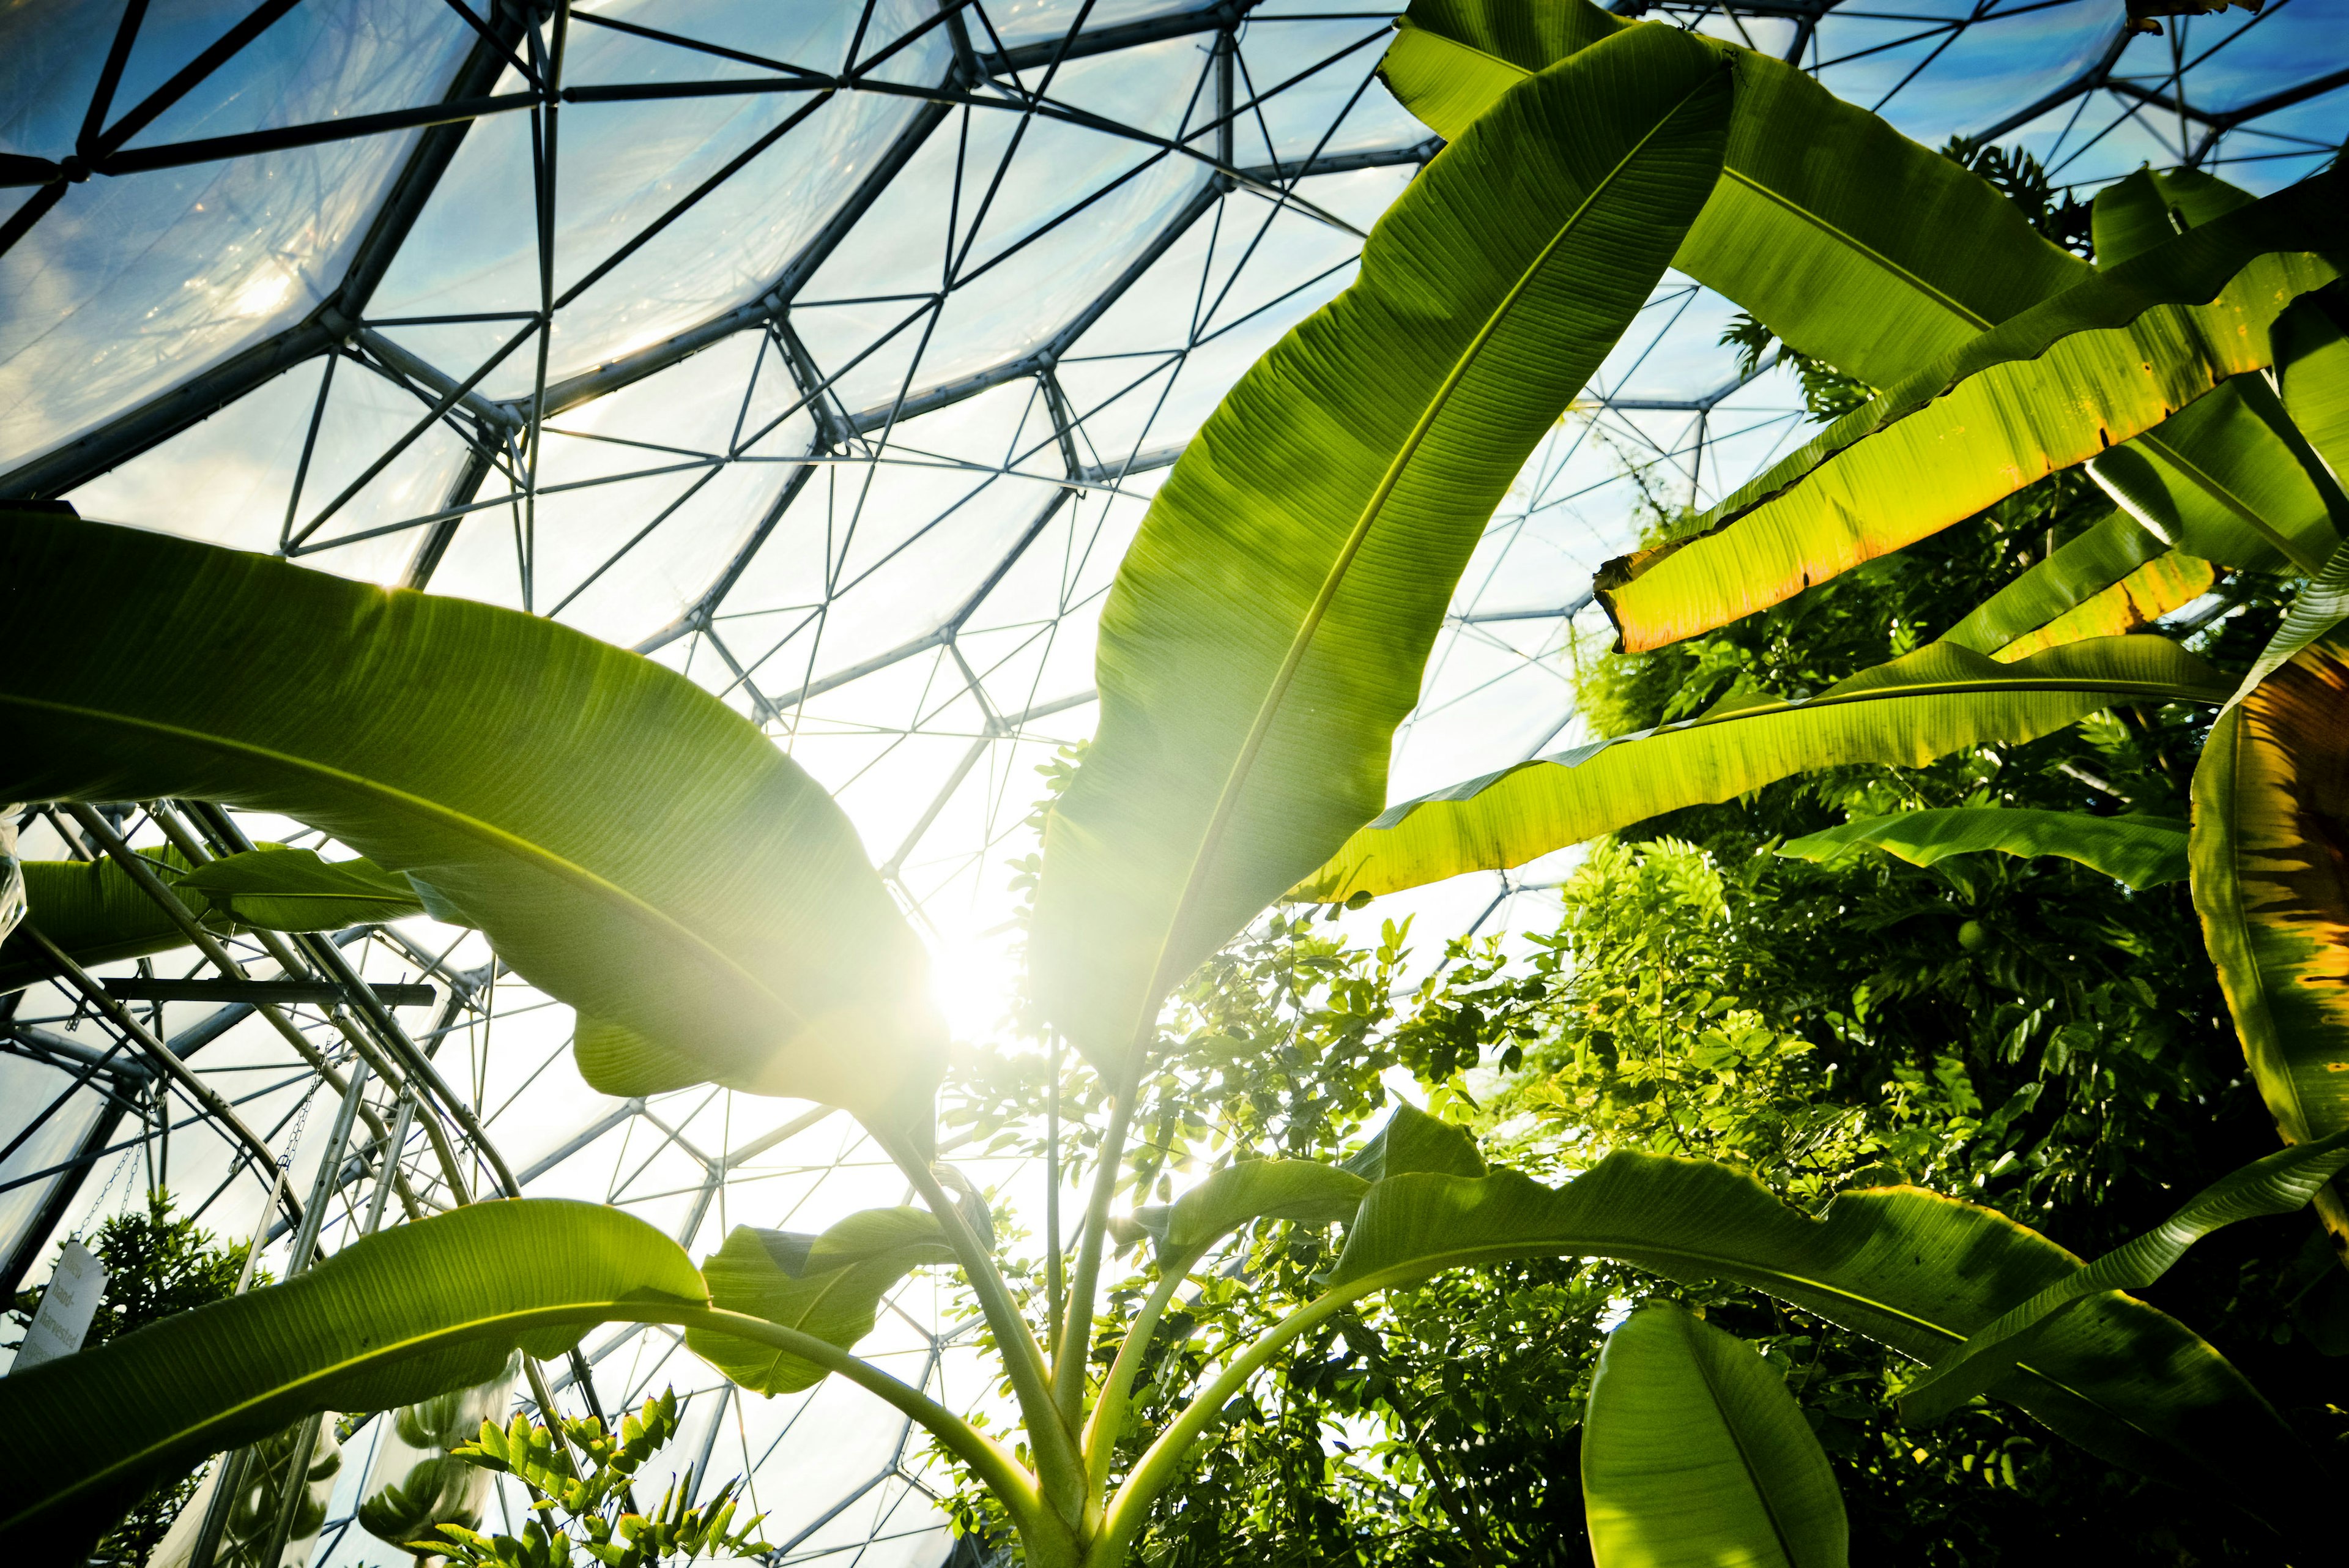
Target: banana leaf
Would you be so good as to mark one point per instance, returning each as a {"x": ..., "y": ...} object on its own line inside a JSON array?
[
  {"x": 1412, "y": 1141},
  {"x": 2231, "y": 479},
  {"x": 2135, "y": 213},
  {"x": 2311, "y": 340},
  {"x": 395, "y": 1318},
  {"x": 1923, "y": 705},
  {"x": 2169, "y": 582},
  {"x": 93, "y": 910},
  {"x": 1695, "y": 1455},
  {"x": 2082, "y": 567},
  {"x": 1268, "y": 628},
  {"x": 2142, "y": 851},
  {"x": 2275, "y": 1185},
  {"x": 628, "y": 844},
  {"x": 830, "y": 1287},
  {"x": 2269, "y": 813},
  {"x": 1908, "y": 1268},
  {"x": 1848, "y": 240},
  {"x": 2064, "y": 380}
]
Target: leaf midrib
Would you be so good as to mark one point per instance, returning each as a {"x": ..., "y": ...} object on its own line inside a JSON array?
[
  {"x": 1227, "y": 802},
  {"x": 498, "y": 839}
]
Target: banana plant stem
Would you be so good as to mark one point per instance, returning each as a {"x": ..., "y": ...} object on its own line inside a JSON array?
[
  {"x": 1076, "y": 1337},
  {"x": 1059, "y": 1466},
  {"x": 1109, "y": 1410}
]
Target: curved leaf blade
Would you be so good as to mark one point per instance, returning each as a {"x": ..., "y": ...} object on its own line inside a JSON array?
[
  {"x": 1267, "y": 630},
  {"x": 2268, "y": 885},
  {"x": 2134, "y": 214},
  {"x": 399, "y": 1318},
  {"x": 1694, "y": 1455},
  {"x": 2102, "y": 554},
  {"x": 2108, "y": 360},
  {"x": 1908, "y": 1268},
  {"x": 2142, "y": 851},
  {"x": 2168, "y": 582},
  {"x": 2229, "y": 478},
  {"x": 1848, "y": 240},
  {"x": 2275, "y": 1185},
  {"x": 626, "y": 842},
  {"x": 278, "y": 889},
  {"x": 1925, "y": 704},
  {"x": 2311, "y": 340},
  {"x": 830, "y": 1287}
]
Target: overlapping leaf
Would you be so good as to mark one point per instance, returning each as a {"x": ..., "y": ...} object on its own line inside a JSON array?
[
  {"x": 1694, "y": 1455},
  {"x": 1913, "y": 1269},
  {"x": 1268, "y": 626},
  {"x": 1926, "y": 704},
  {"x": 2102, "y": 554},
  {"x": 2271, "y": 809},
  {"x": 2106, "y": 360},
  {"x": 2135, "y": 213},
  {"x": 397, "y": 1317},
  {"x": 2142, "y": 851},
  {"x": 2168, "y": 583},
  {"x": 1301, "y": 1190},
  {"x": 1848, "y": 240},
  {"x": 629, "y": 843},
  {"x": 830, "y": 1287},
  {"x": 2275, "y": 1185}
]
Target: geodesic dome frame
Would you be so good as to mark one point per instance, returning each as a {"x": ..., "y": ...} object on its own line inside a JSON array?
[{"x": 829, "y": 353}]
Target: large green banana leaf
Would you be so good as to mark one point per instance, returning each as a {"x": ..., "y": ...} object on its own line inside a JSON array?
[
  {"x": 2229, "y": 478},
  {"x": 830, "y": 1286},
  {"x": 1926, "y": 704},
  {"x": 399, "y": 1318},
  {"x": 2275, "y": 1185},
  {"x": 2082, "y": 567},
  {"x": 629, "y": 843},
  {"x": 1268, "y": 628},
  {"x": 94, "y": 912},
  {"x": 1694, "y": 1455},
  {"x": 2133, "y": 215},
  {"x": 2142, "y": 851},
  {"x": 2271, "y": 808},
  {"x": 1848, "y": 240},
  {"x": 2106, "y": 360},
  {"x": 1909, "y": 1268}
]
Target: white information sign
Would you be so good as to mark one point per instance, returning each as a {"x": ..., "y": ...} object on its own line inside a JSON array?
[{"x": 66, "y": 1307}]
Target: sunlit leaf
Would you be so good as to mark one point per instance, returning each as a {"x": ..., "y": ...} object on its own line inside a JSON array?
[
  {"x": 2271, "y": 807},
  {"x": 2082, "y": 567},
  {"x": 2138, "y": 211},
  {"x": 277, "y": 889},
  {"x": 1695, "y": 1456},
  {"x": 2108, "y": 360},
  {"x": 1301, "y": 1190},
  {"x": 397, "y": 1317},
  {"x": 97, "y": 914},
  {"x": 1269, "y": 625},
  {"x": 628, "y": 844},
  {"x": 1926, "y": 704},
  {"x": 2167, "y": 583}
]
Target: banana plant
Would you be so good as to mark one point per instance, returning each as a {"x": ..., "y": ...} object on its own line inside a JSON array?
[{"x": 2141, "y": 851}]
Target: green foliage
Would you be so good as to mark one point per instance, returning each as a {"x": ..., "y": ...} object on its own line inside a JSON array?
[
  {"x": 157, "y": 1266},
  {"x": 593, "y": 1513}
]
